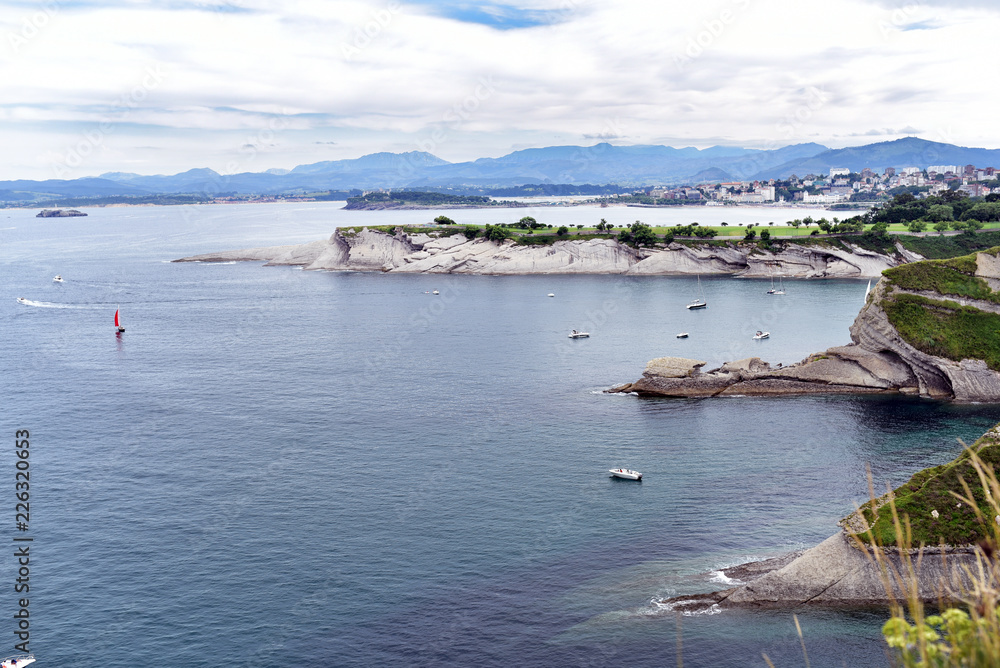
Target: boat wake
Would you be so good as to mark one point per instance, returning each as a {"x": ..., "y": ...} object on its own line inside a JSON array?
[{"x": 31, "y": 302}]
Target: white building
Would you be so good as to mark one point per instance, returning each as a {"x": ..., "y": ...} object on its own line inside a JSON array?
[
  {"x": 839, "y": 171},
  {"x": 823, "y": 199},
  {"x": 942, "y": 169},
  {"x": 911, "y": 170}
]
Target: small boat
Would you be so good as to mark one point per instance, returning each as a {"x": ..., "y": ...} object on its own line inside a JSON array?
[
  {"x": 17, "y": 661},
  {"x": 22, "y": 300},
  {"x": 699, "y": 301},
  {"x": 772, "y": 290},
  {"x": 781, "y": 286},
  {"x": 552, "y": 294},
  {"x": 627, "y": 474},
  {"x": 118, "y": 322},
  {"x": 58, "y": 278},
  {"x": 435, "y": 292},
  {"x": 761, "y": 335},
  {"x": 578, "y": 335},
  {"x": 682, "y": 335},
  {"x": 867, "y": 291}
]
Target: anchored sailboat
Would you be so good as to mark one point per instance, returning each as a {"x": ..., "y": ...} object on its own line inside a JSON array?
[
  {"x": 699, "y": 301},
  {"x": 118, "y": 321}
]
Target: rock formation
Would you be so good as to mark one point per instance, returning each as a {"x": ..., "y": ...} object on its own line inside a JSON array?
[
  {"x": 880, "y": 358},
  {"x": 844, "y": 570},
  {"x": 372, "y": 250},
  {"x": 59, "y": 213}
]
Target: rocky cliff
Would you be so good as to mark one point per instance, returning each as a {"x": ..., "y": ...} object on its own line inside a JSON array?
[
  {"x": 372, "y": 250},
  {"x": 931, "y": 328},
  {"x": 844, "y": 569}
]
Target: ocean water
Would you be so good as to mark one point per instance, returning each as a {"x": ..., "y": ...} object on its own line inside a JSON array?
[{"x": 274, "y": 467}]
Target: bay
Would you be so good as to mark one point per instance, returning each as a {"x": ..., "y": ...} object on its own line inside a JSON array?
[{"x": 278, "y": 467}]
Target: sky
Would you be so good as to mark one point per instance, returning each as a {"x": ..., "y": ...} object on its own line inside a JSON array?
[{"x": 92, "y": 86}]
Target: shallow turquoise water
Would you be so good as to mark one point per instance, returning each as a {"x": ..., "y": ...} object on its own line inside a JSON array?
[{"x": 277, "y": 467}]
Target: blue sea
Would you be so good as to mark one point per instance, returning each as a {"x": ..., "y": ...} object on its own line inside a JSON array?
[{"x": 274, "y": 467}]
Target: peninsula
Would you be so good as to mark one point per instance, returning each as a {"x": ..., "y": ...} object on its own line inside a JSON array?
[
  {"x": 928, "y": 328},
  {"x": 456, "y": 251},
  {"x": 844, "y": 569}
]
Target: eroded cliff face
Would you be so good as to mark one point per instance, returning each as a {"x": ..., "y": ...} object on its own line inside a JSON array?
[
  {"x": 879, "y": 359},
  {"x": 371, "y": 250}
]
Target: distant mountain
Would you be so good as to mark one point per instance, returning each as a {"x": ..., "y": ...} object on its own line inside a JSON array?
[
  {"x": 605, "y": 164},
  {"x": 712, "y": 175},
  {"x": 907, "y": 152}
]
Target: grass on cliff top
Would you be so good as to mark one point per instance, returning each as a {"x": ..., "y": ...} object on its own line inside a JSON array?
[
  {"x": 947, "y": 277},
  {"x": 931, "y": 489},
  {"x": 946, "y": 329},
  {"x": 938, "y": 248}
]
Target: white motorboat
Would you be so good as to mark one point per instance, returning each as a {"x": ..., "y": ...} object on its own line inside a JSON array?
[
  {"x": 579, "y": 335},
  {"x": 58, "y": 279},
  {"x": 761, "y": 335},
  {"x": 627, "y": 474},
  {"x": 22, "y": 300},
  {"x": 682, "y": 335},
  {"x": 552, "y": 294},
  {"x": 17, "y": 661},
  {"x": 435, "y": 292}
]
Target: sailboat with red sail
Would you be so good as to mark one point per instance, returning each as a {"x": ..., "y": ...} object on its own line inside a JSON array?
[{"x": 118, "y": 321}]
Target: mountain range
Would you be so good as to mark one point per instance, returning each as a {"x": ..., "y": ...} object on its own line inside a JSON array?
[{"x": 598, "y": 164}]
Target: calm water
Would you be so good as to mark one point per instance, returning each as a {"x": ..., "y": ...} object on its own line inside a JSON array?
[{"x": 274, "y": 467}]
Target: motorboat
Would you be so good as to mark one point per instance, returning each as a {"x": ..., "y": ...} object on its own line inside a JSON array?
[
  {"x": 682, "y": 335},
  {"x": 761, "y": 335},
  {"x": 579, "y": 335},
  {"x": 58, "y": 279},
  {"x": 435, "y": 292},
  {"x": 22, "y": 300},
  {"x": 552, "y": 294},
  {"x": 17, "y": 661},
  {"x": 626, "y": 474}
]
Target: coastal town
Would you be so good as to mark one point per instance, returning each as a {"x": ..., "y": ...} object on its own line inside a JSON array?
[{"x": 839, "y": 186}]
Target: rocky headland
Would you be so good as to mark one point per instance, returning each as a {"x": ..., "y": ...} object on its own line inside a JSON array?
[
  {"x": 859, "y": 564},
  {"x": 930, "y": 328},
  {"x": 442, "y": 253}
]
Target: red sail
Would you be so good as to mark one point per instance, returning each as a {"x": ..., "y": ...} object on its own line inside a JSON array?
[{"x": 116, "y": 318}]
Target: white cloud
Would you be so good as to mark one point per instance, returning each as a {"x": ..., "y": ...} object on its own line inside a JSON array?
[{"x": 189, "y": 84}]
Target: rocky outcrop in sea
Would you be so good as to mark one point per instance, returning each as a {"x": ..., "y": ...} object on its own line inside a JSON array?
[
  {"x": 373, "y": 250},
  {"x": 59, "y": 213}
]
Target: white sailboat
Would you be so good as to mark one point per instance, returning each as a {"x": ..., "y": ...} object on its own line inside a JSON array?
[
  {"x": 699, "y": 301},
  {"x": 781, "y": 286},
  {"x": 869, "y": 289}
]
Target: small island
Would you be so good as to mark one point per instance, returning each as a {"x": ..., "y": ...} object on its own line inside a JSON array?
[{"x": 59, "y": 213}]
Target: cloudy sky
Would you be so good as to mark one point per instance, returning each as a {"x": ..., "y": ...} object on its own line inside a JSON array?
[{"x": 91, "y": 86}]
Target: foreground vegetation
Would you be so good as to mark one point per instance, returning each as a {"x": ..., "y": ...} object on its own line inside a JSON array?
[{"x": 955, "y": 503}]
